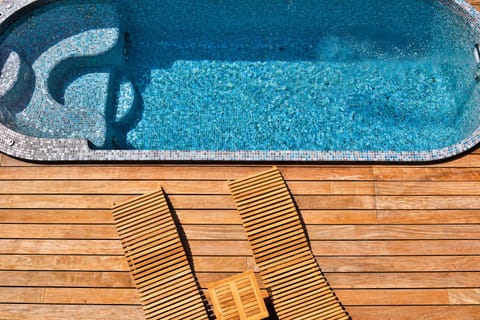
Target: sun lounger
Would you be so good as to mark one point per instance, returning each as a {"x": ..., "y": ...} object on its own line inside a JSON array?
[
  {"x": 157, "y": 259},
  {"x": 288, "y": 268}
]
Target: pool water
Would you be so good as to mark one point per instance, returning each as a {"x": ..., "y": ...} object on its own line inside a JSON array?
[{"x": 370, "y": 75}]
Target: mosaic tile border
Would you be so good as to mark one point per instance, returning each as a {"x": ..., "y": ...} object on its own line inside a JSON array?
[{"x": 38, "y": 149}]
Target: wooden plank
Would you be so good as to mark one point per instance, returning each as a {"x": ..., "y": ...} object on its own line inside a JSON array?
[
  {"x": 344, "y": 232},
  {"x": 415, "y": 312},
  {"x": 352, "y": 232},
  {"x": 464, "y": 296},
  {"x": 201, "y": 202},
  {"x": 335, "y": 202},
  {"x": 57, "y": 231},
  {"x": 180, "y": 172},
  {"x": 385, "y": 280},
  {"x": 395, "y": 247},
  {"x": 63, "y": 262},
  {"x": 219, "y": 248},
  {"x": 8, "y": 161},
  {"x": 404, "y": 297},
  {"x": 192, "y": 216},
  {"x": 339, "y": 216},
  {"x": 62, "y": 312},
  {"x": 82, "y": 216},
  {"x": 428, "y": 202},
  {"x": 92, "y": 279},
  {"x": 241, "y": 248},
  {"x": 60, "y": 201},
  {"x": 303, "y": 202},
  {"x": 186, "y": 216},
  {"x": 208, "y": 216},
  {"x": 319, "y": 173},
  {"x": 102, "y": 296},
  {"x": 107, "y": 201},
  {"x": 90, "y": 296},
  {"x": 428, "y": 216},
  {"x": 231, "y": 216},
  {"x": 396, "y": 263},
  {"x": 88, "y": 247},
  {"x": 99, "y": 296},
  {"x": 219, "y": 264},
  {"x": 173, "y": 187},
  {"x": 108, "y": 263},
  {"x": 428, "y": 188},
  {"x": 331, "y": 187},
  {"x": 404, "y": 280},
  {"x": 22, "y": 295},
  {"x": 205, "y": 278},
  {"x": 214, "y": 232},
  {"x": 426, "y": 174},
  {"x": 178, "y": 201},
  {"x": 133, "y": 187},
  {"x": 140, "y": 172},
  {"x": 382, "y": 297}
]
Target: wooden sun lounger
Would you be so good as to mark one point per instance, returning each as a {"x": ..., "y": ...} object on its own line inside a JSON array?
[
  {"x": 157, "y": 259},
  {"x": 288, "y": 268}
]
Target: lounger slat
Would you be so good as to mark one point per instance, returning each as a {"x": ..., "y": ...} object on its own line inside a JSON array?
[
  {"x": 146, "y": 260},
  {"x": 252, "y": 180},
  {"x": 256, "y": 188},
  {"x": 256, "y": 199},
  {"x": 280, "y": 213},
  {"x": 157, "y": 259},
  {"x": 145, "y": 230},
  {"x": 281, "y": 250},
  {"x": 134, "y": 203}
]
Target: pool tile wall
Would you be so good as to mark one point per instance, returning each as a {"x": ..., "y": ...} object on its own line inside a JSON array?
[{"x": 42, "y": 149}]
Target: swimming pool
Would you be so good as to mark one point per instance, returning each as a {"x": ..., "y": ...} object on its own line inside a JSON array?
[{"x": 226, "y": 80}]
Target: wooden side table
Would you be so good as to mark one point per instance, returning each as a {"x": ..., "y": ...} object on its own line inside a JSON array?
[{"x": 238, "y": 298}]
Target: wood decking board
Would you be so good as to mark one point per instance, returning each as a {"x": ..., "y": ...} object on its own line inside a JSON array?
[
  {"x": 181, "y": 172},
  {"x": 395, "y": 230},
  {"x": 357, "y": 297},
  {"x": 206, "y": 274}
]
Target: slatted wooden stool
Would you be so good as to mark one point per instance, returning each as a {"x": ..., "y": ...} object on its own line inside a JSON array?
[
  {"x": 288, "y": 268},
  {"x": 157, "y": 259},
  {"x": 237, "y": 298}
]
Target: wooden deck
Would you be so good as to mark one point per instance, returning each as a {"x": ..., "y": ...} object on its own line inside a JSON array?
[
  {"x": 475, "y": 3},
  {"x": 396, "y": 242}
]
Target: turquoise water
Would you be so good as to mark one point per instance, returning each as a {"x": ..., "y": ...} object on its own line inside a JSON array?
[{"x": 253, "y": 75}]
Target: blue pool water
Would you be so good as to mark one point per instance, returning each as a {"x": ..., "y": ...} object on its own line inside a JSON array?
[{"x": 370, "y": 75}]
